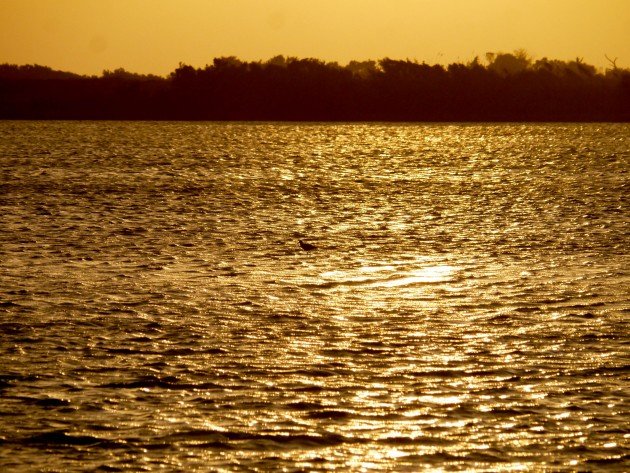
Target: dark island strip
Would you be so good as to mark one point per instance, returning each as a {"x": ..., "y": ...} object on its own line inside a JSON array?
[{"x": 510, "y": 87}]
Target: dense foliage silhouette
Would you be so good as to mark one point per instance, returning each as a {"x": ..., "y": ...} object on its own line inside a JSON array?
[{"x": 509, "y": 87}]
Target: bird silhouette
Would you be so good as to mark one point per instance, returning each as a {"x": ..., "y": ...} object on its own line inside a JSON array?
[{"x": 307, "y": 246}]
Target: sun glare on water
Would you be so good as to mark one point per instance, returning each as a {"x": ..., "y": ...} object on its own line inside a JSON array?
[{"x": 430, "y": 274}]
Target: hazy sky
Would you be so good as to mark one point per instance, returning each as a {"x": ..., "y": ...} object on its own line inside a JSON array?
[{"x": 153, "y": 36}]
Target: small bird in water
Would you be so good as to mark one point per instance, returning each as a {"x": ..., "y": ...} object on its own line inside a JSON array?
[{"x": 307, "y": 246}]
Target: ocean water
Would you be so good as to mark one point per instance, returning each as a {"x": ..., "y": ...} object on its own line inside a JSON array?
[{"x": 467, "y": 306}]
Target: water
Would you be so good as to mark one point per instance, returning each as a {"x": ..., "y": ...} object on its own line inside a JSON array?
[{"x": 466, "y": 308}]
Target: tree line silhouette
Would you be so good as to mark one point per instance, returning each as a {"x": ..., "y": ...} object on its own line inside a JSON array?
[{"x": 506, "y": 87}]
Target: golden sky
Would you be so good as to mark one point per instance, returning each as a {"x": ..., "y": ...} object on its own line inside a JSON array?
[{"x": 153, "y": 36}]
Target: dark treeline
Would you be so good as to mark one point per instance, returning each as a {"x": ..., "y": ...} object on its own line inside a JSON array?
[{"x": 507, "y": 87}]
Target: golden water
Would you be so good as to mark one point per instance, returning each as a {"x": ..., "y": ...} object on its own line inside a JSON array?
[{"x": 466, "y": 307}]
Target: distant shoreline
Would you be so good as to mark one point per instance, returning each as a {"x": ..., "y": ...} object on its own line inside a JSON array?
[{"x": 509, "y": 88}]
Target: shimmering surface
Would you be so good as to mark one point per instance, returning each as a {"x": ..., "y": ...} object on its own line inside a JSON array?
[{"x": 467, "y": 306}]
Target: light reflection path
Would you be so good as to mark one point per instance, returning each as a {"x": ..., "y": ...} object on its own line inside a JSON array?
[{"x": 466, "y": 309}]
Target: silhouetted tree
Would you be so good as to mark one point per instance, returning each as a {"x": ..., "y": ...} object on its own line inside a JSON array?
[
  {"x": 508, "y": 64},
  {"x": 510, "y": 87}
]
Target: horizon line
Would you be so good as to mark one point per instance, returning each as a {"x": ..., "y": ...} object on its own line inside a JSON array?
[{"x": 482, "y": 60}]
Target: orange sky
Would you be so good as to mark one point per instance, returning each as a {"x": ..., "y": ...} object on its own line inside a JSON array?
[{"x": 153, "y": 36}]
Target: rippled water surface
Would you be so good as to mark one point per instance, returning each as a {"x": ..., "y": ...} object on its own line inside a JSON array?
[{"x": 466, "y": 308}]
